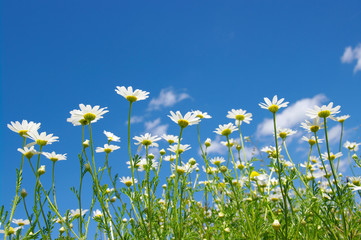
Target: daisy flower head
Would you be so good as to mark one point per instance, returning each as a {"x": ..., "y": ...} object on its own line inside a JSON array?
[
  {"x": 97, "y": 214},
  {"x": 208, "y": 142},
  {"x": 54, "y": 157},
  {"x": 231, "y": 143},
  {"x": 128, "y": 181},
  {"x": 86, "y": 114},
  {"x": 130, "y": 95},
  {"x": 76, "y": 213},
  {"x": 240, "y": 116},
  {"x": 341, "y": 119},
  {"x": 147, "y": 140},
  {"x": 274, "y": 105},
  {"x": 313, "y": 126},
  {"x": 272, "y": 151},
  {"x": 189, "y": 119},
  {"x": 352, "y": 146},
  {"x": 332, "y": 156},
  {"x": 201, "y": 115},
  {"x": 21, "y": 222},
  {"x": 323, "y": 111},
  {"x": 217, "y": 161},
  {"x": 111, "y": 137},
  {"x": 144, "y": 163},
  {"x": 169, "y": 158},
  {"x": 355, "y": 180},
  {"x": 311, "y": 140},
  {"x": 182, "y": 148},
  {"x": 170, "y": 138},
  {"x": 24, "y": 127},
  {"x": 285, "y": 132},
  {"x": 225, "y": 129},
  {"x": 42, "y": 139},
  {"x": 28, "y": 152},
  {"x": 107, "y": 148}
]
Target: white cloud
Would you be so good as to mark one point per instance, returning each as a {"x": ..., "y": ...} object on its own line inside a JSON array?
[
  {"x": 217, "y": 146},
  {"x": 352, "y": 54},
  {"x": 292, "y": 116},
  {"x": 167, "y": 98},
  {"x": 135, "y": 119},
  {"x": 155, "y": 127},
  {"x": 334, "y": 134}
]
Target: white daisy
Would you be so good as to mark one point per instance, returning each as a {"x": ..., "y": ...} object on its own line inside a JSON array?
[
  {"x": 128, "y": 181},
  {"x": 314, "y": 126},
  {"x": 169, "y": 158},
  {"x": 24, "y": 127},
  {"x": 332, "y": 156},
  {"x": 285, "y": 132},
  {"x": 232, "y": 142},
  {"x": 111, "y": 137},
  {"x": 143, "y": 164},
  {"x": 54, "y": 157},
  {"x": 28, "y": 152},
  {"x": 76, "y": 213},
  {"x": 225, "y": 129},
  {"x": 107, "y": 148},
  {"x": 208, "y": 142},
  {"x": 217, "y": 161},
  {"x": 341, "y": 119},
  {"x": 274, "y": 105},
  {"x": 311, "y": 140},
  {"x": 271, "y": 151},
  {"x": 147, "y": 140},
  {"x": 21, "y": 222},
  {"x": 86, "y": 114},
  {"x": 240, "y": 116},
  {"x": 201, "y": 115},
  {"x": 170, "y": 138},
  {"x": 130, "y": 95},
  {"x": 189, "y": 119},
  {"x": 323, "y": 111},
  {"x": 97, "y": 214},
  {"x": 42, "y": 139},
  {"x": 351, "y": 145},
  {"x": 182, "y": 148}
]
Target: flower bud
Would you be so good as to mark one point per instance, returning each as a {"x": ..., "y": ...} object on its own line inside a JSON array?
[
  {"x": 162, "y": 152},
  {"x": 113, "y": 199},
  {"x": 62, "y": 230},
  {"x": 41, "y": 170},
  {"x": 276, "y": 225},
  {"x": 164, "y": 186},
  {"x": 124, "y": 220},
  {"x": 87, "y": 167},
  {"x": 223, "y": 169},
  {"x": 23, "y": 193},
  {"x": 192, "y": 161},
  {"x": 151, "y": 156},
  {"x": 227, "y": 230},
  {"x": 220, "y": 214},
  {"x": 86, "y": 143}
]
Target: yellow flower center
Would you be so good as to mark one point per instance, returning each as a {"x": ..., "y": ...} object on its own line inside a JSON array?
[
  {"x": 23, "y": 132},
  {"x": 240, "y": 117},
  {"x": 89, "y": 116},
  {"x": 283, "y": 135},
  {"x": 29, "y": 155},
  {"x": 183, "y": 123},
  {"x": 181, "y": 170},
  {"x": 356, "y": 182},
  {"x": 313, "y": 160},
  {"x": 146, "y": 142},
  {"x": 107, "y": 150},
  {"x": 312, "y": 142},
  {"x": 254, "y": 174},
  {"x": 331, "y": 157},
  {"x": 226, "y": 132},
  {"x": 83, "y": 122},
  {"x": 199, "y": 116},
  {"x": 54, "y": 159},
  {"x": 128, "y": 183},
  {"x": 240, "y": 166},
  {"x": 179, "y": 151},
  {"x": 324, "y": 113},
  {"x": 11, "y": 231},
  {"x": 273, "y": 108},
  {"x": 41, "y": 142},
  {"x": 217, "y": 162},
  {"x": 170, "y": 142},
  {"x": 21, "y": 224},
  {"x": 131, "y": 98},
  {"x": 314, "y": 128}
]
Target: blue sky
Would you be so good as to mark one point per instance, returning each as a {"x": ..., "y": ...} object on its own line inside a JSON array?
[{"x": 189, "y": 55}]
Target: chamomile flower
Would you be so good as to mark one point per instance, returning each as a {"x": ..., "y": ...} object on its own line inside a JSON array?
[
  {"x": 54, "y": 157},
  {"x": 272, "y": 151},
  {"x": 107, "y": 148},
  {"x": 225, "y": 129},
  {"x": 232, "y": 142},
  {"x": 240, "y": 116},
  {"x": 24, "y": 127},
  {"x": 217, "y": 161},
  {"x": 97, "y": 214},
  {"x": 111, "y": 137},
  {"x": 332, "y": 156},
  {"x": 28, "y": 152},
  {"x": 130, "y": 95},
  {"x": 341, "y": 119},
  {"x": 86, "y": 114},
  {"x": 208, "y": 142},
  {"x": 170, "y": 138},
  {"x": 201, "y": 115},
  {"x": 189, "y": 119},
  {"x": 182, "y": 148},
  {"x": 21, "y": 222},
  {"x": 285, "y": 132},
  {"x": 76, "y": 213},
  {"x": 352, "y": 146},
  {"x": 311, "y": 140},
  {"x": 314, "y": 126},
  {"x": 143, "y": 164},
  {"x": 274, "y": 105},
  {"x": 323, "y": 111},
  {"x": 147, "y": 140},
  {"x": 128, "y": 181},
  {"x": 42, "y": 139},
  {"x": 169, "y": 158}
]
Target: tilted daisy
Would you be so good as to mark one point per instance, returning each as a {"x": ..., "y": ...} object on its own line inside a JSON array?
[
  {"x": 170, "y": 138},
  {"x": 76, "y": 213},
  {"x": 355, "y": 180},
  {"x": 42, "y": 139},
  {"x": 272, "y": 151},
  {"x": 21, "y": 222},
  {"x": 28, "y": 152},
  {"x": 128, "y": 181},
  {"x": 285, "y": 132},
  {"x": 240, "y": 116},
  {"x": 130, "y": 95},
  {"x": 111, "y": 137},
  {"x": 225, "y": 129},
  {"x": 313, "y": 126},
  {"x": 169, "y": 158},
  {"x": 332, "y": 156},
  {"x": 189, "y": 119},
  {"x": 232, "y": 142},
  {"x": 217, "y": 161},
  {"x": 107, "y": 148},
  {"x": 54, "y": 157},
  {"x": 24, "y": 127},
  {"x": 97, "y": 214},
  {"x": 201, "y": 115},
  {"x": 86, "y": 113},
  {"x": 182, "y": 148},
  {"x": 143, "y": 164},
  {"x": 352, "y": 146},
  {"x": 147, "y": 140},
  {"x": 341, "y": 119},
  {"x": 274, "y": 105},
  {"x": 311, "y": 140},
  {"x": 323, "y": 111}
]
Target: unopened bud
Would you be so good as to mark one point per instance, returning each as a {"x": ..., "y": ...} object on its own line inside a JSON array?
[
  {"x": 23, "y": 193},
  {"x": 87, "y": 167},
  {"x": 223, "y": 169},
  {"x": 164, "y": 186},
  {"x": 86, "y": 144},
  {"x": 162, "y": 152},
  {"x": 276, "y": 225},
  {"x": 192, "y": 161},
  {"x": 41, "y": 170},
  {"x": 62, "y": 230},
  {"x": 151, "y": 156},
  {"x": 124, "y": 220},
  {"x": 113, "y": 199}
]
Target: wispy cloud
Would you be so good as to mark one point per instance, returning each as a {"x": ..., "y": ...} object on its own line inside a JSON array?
[
  {"x": 167, "y": 98},
  {"x": 155, "y": 127},
  {"x": 334, "y": 134},
  {"x": 350, "y": 54},
  {"x": 293, "y": 115},
  {"x": 135, "y": 119}
]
